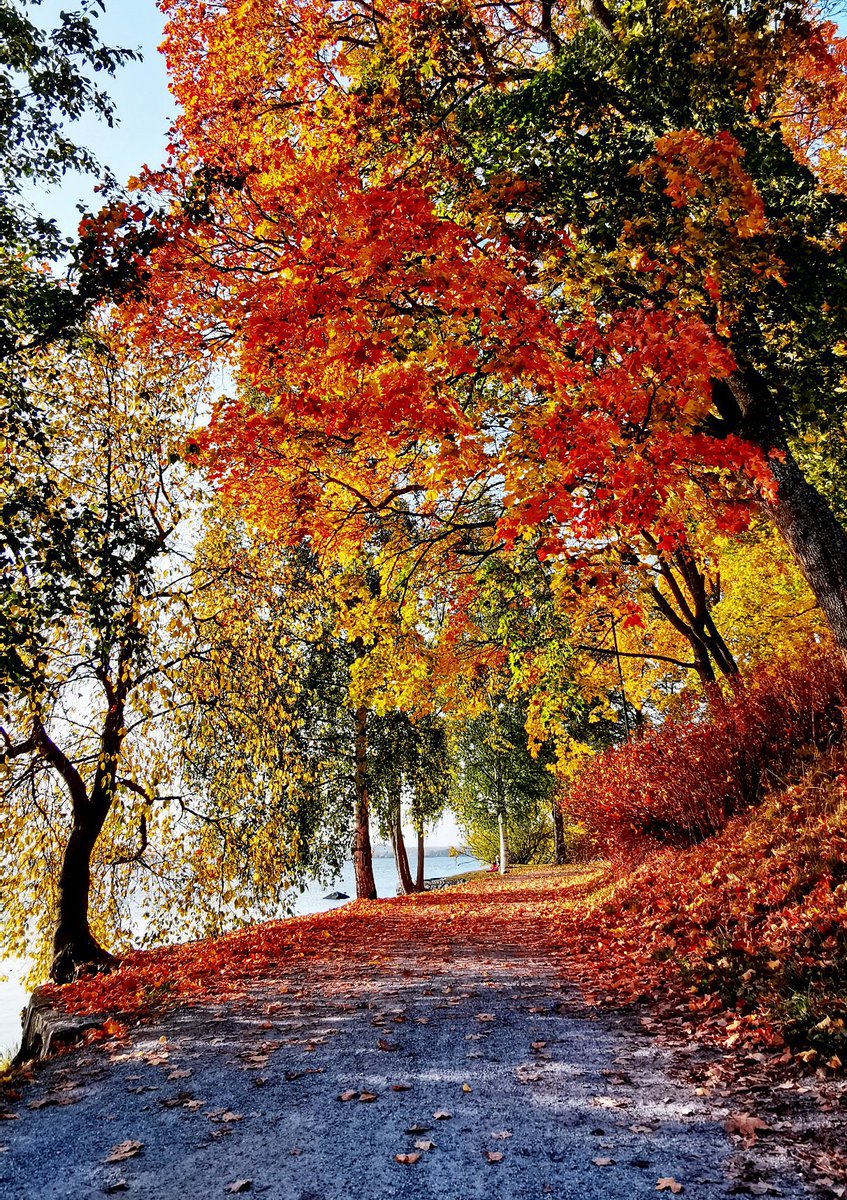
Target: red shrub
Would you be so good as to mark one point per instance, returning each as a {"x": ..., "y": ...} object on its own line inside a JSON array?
[{"x": 681, "y": 782}]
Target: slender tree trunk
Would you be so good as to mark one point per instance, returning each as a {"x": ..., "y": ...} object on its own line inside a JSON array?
[
  {"x": 362, "y": 856},
  {"x": 419, "y": 881},
  {"x": 560, "y": 848},
  {"x": 401, "y": 858},
  {"x": 808, "y": 525},
  {"x": 504, "y": 845}
]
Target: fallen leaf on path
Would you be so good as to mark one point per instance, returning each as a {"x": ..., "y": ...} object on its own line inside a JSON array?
[
  {"x": 225, "y": 1118},
  {"x": 401, "y": 1087},
  {"x": 669, "y": 1184},
  {"x": 407, "y": 1159},
  {"x": 112, "y": 1189},
  {"x": 418, "y": 1129},
  {"x": 494, "y": 1156},
  {"x": 502, "y": 1135},
  {"x": 538, "y": 1045},
  {"x": 424, "y": 1144},
  {"x": 123, "y": 1151},
  {"x": 182, "y": 1073},
  {"x": 241, "y": 1185},
  {"x": 351, "y": 1095},
  {"x": 9, "y": 1116},
  {"x": 295, "y": 1151},
  {"x": 368, "y": 1097},
  {"x": 747, "y": 1126},
  {"x": 603, "y": 1162},
  {"x": 179, "y": 1101},
  {"x": 466, "y": 1088},
  {"x": 384, "y": 1044},
  {"x": 442, "y": 1115},
  {"x": 485, "y": 1017}
]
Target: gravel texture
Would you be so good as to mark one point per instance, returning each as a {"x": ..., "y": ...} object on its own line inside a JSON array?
[{"x": 249, "y": 1095}]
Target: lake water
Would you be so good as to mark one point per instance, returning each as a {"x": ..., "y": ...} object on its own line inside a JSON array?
[{"x": 13, "y": 996}]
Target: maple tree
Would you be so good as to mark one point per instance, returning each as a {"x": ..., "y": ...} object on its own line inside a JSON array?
[{"x": 577, "y": 256}]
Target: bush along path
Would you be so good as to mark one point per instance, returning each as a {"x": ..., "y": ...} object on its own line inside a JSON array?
[{"x": 428, "y": 1046}]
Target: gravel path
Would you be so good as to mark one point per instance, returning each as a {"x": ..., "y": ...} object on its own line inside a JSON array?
[{"x": 476, "y": 1057}]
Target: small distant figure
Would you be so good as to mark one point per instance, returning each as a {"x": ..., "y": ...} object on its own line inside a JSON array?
[{"x": 495, "y": 866}]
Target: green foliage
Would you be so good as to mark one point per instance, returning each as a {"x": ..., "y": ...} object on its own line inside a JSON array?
[
  {"x": 45, "y": 83},
  {"x": 494, "y": 773},
  {"x": 407, "y": 762}
]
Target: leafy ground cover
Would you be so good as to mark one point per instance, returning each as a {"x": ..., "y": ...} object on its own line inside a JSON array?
[
  {"x": 747, "y": 931},
  {"x": 736, "y": 944}
]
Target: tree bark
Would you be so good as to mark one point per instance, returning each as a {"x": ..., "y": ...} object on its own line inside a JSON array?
[
  {"x": 419, "y": 881},
  {"x": 803, "y": 517},
  {"x": 362, "y": 856},
  {"x": 74, "y": 946},
  {"x": 560, "y": 849},
  {"x": 504, "y": 845},
  {"x": 401, "y": 858}
]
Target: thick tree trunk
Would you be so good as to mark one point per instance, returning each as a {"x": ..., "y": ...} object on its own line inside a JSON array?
[
  {"x": 817, "y": 541},
  {"x": 801, "y": 514},
  {"x": 401, "y": 858},
  {"x": 560, "y": 848},
  {"x": 504, "y": 845},
  {"x": 74, "y": 946},
  {"x": 362, "y": 856},
  {"x": 419, "y": 881}
]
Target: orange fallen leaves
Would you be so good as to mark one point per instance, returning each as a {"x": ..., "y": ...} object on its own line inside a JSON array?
[{"x": 123, "y": 1151}]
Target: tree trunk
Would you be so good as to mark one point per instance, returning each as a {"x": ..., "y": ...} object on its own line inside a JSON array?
[
  {"x": 401, "y": 858},
  {"x": 74, "y": 945},
  {"x": 362, "y": 857},
  {"x": 419, "y": 882},
  {"x": 805, "y": 520},
  {"x": 560, "y": 848},
  {"x": 817, "y": 541},
  {"x": 504, "y": 845}
]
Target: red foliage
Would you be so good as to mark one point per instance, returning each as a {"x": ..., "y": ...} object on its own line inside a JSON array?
[
  {"x": 744, "y": 936},
  {"x": 680, "y": 783}
]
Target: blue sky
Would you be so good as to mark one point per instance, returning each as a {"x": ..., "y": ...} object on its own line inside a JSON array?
[{"x": 143, "y": 105}]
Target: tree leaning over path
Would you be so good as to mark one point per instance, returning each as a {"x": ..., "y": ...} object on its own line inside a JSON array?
[
  {"x": 92, "y": 503},
  {"x": 594, "y": 251}
]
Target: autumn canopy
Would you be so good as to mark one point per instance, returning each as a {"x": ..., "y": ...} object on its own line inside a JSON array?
[{"x": 502, "y": 462}]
